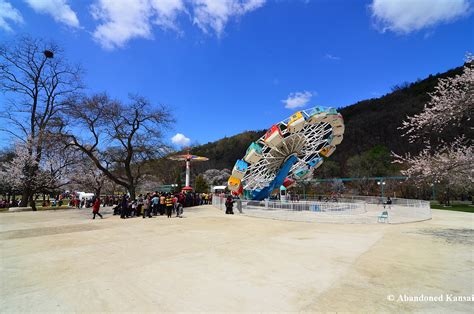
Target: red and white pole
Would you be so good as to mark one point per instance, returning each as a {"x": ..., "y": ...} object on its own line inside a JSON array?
[{"x": 188, "y": 171}]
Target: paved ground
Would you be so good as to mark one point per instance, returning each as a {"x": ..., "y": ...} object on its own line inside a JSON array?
[{"x": 208, "y": 261}]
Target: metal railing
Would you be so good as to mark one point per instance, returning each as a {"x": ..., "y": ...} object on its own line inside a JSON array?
[
  {"x": 377, "y": 200},
  {"x": 312, "y": 206},
  {"x": 362, "y": 209}
]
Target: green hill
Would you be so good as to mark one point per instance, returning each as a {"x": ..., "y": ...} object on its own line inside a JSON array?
[{"x": 369, "y": 123}]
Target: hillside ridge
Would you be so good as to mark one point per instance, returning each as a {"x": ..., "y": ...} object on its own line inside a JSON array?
[{"x": 369, "y": 123}]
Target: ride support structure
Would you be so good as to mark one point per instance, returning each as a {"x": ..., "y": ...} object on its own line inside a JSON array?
[
  {"x": 290, "y": 151},
  {"x": 188, "y": 158}
]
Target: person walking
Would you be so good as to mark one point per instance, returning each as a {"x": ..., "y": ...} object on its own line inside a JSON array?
[
  {"x": 169, "y": 205},
  {"x": 155, "y": 201},
  {"x": 147, "y": 206},
  {"x": 179, "y": 205},
  {"x": 388, "y": 203},
  {"x": 96, "y": 208},
  {"x": 229, "y": 205}
]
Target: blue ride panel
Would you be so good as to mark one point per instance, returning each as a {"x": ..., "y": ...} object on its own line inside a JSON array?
[
  {"x": 241, "y": 166},
  {"x": 314, "y": 161},
  {"x": 259, "y": 195}
]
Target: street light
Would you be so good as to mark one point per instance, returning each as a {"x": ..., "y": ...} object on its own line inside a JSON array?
[
  {"x": 433, "y": 186},
  {"x": 382, "y": 183}
]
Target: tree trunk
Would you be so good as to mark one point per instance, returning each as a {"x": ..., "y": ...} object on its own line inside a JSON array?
[
  {"x": 132, "y": 192},
  {"x": 25, "y": 197},
  {"x": 97, "y": 192},
  {"x": 448, "y": 203},
  {"x": 32, "y": 202}
]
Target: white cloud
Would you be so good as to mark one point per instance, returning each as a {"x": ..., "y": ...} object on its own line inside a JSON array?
[
  {"x": 215, "y": 14},
  {"x": 331, "y": 57},
  {"x": 180, "y": 140},
  {"x": 124, "y": 20},
  {"x": 166, "y": 12},
  {"x": 121, "y": 21},
  {"x": 405, "y": 16},
  {"x": 297, "y": 100},
  {"x": 8, "y": 14},
  {"x": 58, "y": 9}
]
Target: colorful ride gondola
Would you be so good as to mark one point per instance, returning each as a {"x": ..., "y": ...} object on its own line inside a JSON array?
[
  {"x": 274, "y": 136},
  {"x": 253, "y": 154},
  {"x": 239, "y": 170},
  {"x": 315, "y": 163},
  {"x": 296, "y": 123},
  {"x": 233, "y": 184},
  {"x": 327, "y": 151}
]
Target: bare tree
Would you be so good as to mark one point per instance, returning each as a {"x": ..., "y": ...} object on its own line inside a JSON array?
[
  {"x": 36, "y": 79},
  {"x": 118, "y": 138}
]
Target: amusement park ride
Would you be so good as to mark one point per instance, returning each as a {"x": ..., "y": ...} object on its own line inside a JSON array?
[
  {"x": 289, "y": 151},
  {"x": 188, "y": 158}
]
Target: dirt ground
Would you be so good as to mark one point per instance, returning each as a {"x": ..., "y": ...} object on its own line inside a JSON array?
[{"x": 59, "y": 261}]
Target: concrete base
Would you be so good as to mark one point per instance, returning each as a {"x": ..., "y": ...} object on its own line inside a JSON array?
[{"x": 208, "y": 261}]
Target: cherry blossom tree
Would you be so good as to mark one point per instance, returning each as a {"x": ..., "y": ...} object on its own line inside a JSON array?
[
  {"x": 451, "y": 105},
  {"x": 216, "y": 177},
  {"x": 51, "y": 172},
  {"x": 85, "y": 177}
]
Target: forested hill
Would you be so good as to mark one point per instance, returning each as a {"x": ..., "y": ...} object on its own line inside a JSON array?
[{"x": 368, "y": 123}]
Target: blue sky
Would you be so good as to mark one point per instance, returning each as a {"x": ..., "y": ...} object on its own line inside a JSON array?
[{"x": 225, "y": 66}]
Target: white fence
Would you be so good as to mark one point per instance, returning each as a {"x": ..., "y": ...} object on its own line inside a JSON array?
[
  {"x": 312, "y": 206},
  {"x": 345, "y": 210},
  {"x": 377, "y": 200}
]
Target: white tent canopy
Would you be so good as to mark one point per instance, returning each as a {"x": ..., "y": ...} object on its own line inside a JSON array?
[{"x": 218, "y": 187}]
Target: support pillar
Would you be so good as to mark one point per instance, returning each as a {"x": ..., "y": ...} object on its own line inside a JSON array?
[{"x": 188, "y": 171}]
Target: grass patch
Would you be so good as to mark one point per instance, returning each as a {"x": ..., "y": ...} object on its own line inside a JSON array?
[{"x": 455, "y": 207}]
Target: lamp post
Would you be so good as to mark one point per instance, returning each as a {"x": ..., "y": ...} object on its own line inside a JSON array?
[
  {"x": 382, "y": 184},
  {"x": 433, "y": 185}
]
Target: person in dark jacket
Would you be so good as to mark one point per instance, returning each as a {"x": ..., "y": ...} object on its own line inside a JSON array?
[
  {"x": 124, "y": 208},
  {"x": 229, "y": 205}
]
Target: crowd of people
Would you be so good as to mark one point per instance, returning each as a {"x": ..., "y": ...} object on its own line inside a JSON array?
[
  {"x": 4, "y": 203},
  {"x": 187, "y": 199},
  {"x": 132, "y": 207},
  {"x": 149, "y": 205}
]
